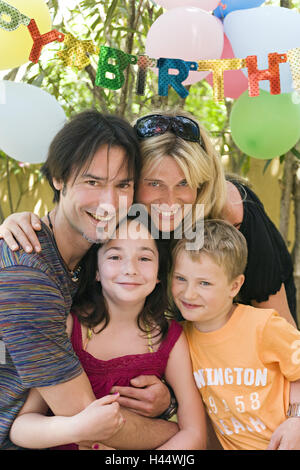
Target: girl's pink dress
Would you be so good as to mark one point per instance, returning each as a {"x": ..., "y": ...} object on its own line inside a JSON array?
[{"x": 103, "y": 375}]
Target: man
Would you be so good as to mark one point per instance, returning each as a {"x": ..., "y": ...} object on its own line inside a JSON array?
[{"x": 92, "y": 162}]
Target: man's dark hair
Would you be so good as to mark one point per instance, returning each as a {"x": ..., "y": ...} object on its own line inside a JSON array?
[{"x": 77, "y": 142}]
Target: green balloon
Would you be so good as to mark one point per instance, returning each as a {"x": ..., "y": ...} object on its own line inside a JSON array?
[{"x": 266, "y": 126}]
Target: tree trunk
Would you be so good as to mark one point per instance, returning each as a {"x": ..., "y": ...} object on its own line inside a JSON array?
[
  {"x": 286, "y": 194},
  {"x": 128, "y": 50},
  {"x": 285, "y": 3},
  {"x": 290, "y": 172}
]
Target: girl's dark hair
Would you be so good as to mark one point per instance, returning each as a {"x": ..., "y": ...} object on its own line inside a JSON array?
[
  {"x": 89, "y": 304},
  {"x": 77, "y": 142}
]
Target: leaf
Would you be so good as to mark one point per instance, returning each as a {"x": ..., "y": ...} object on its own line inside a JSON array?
[
  {"x": 295, "y": 152},
  {"x": 266, "y": 166},
  {"x": 281, "y": 158},
  {"x": 110, "y": 12}
]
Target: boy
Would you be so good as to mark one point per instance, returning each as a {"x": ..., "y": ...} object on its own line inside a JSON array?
[{"x": 244, "y": 358}]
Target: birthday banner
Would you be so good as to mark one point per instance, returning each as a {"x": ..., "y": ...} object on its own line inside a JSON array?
[{"x": 113, "y": 62}]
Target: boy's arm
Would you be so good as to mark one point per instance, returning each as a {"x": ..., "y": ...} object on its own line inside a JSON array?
[{"x": 287, "y": 435}]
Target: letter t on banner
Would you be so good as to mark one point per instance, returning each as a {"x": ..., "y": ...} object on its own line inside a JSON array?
[
  {"x": 218, "y": 67},
  {"x": 272, "y": 73}
]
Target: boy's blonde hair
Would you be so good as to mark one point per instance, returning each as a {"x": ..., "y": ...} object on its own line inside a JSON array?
[
  {"x": 222, "y": 242},
  {"x": 201, "y": 166}
]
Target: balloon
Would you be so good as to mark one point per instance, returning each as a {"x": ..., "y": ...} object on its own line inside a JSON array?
[
  {"x": 29, "y": 119},
  {"x": 226, "y": 6},
  {"x": 260, "y": 31},
  {"x": 16, "y": 45},
  {"x": 207, "y": 5},
  {"x": 265, "y": 126},
  {"x": 235, "y": 82},
  {"x": 186, "y": 33}
]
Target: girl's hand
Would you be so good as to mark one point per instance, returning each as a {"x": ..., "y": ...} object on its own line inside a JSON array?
[
  {"x": 98, "y": 421},
  {"x": 20, "y": 228}
]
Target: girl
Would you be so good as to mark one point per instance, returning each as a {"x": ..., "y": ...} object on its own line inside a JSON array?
[{"x": 119, "y": 331}]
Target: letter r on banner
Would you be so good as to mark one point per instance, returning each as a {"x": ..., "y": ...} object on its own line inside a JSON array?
[{"x": 165, "y": 79}]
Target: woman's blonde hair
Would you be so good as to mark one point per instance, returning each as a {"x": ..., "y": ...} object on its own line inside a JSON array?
[{"x": 201, "y": 165}]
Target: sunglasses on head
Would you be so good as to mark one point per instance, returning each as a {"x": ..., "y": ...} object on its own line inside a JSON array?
[{"x": 156, "y": 124}]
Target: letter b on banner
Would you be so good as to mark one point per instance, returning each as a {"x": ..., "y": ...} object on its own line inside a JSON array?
[{"x": 112, "y": 61}]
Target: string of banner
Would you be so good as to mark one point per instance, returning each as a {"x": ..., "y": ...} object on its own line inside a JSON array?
[{"x": 114, "y": 61}]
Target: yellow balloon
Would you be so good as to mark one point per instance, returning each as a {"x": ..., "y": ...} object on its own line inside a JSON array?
[{"x": 15, "y": 46}]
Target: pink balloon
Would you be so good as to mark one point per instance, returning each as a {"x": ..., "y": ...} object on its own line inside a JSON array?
[
  {"x": 235, "y": 82},
  {"x": 208, "y": 5},
  {"x": 189, "y": 34}
]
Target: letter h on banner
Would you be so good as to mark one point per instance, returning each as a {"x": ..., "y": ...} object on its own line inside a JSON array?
[{"x": 272, "y": 73}]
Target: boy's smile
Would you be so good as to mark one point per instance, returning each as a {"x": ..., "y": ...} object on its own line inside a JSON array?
[{"x": 202, "y": 291}]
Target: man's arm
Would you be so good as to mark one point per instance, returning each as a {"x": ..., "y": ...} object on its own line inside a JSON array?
[
  {"x": 147, "y": 396},
  {"x": 101, "y": 421},
  {"x": 140, "y": 433},
  {"x": 32, "y": 429}
]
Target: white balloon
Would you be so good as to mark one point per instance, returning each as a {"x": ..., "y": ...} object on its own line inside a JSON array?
[
  {"x": 29, "y": 119},
  {"x": 260, "y": 31},
  {"x": 189, "y": 34}
]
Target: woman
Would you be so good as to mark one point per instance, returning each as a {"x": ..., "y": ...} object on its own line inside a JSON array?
[{"x": 180, "y": 169}]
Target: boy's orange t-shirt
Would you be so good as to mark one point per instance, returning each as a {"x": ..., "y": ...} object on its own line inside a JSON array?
[{"x": 243, "y": 372}]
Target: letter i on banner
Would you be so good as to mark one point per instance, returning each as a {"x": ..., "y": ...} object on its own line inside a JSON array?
[
  {"x": 272, "y": 73},
  {"x": 143, "y": 63},
  {"x": 112, "y": 61}
]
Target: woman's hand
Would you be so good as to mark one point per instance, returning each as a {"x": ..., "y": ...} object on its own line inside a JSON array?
[{"x": 18, "y": 230}]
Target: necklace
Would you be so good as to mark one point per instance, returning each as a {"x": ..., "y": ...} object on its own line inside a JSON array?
[
  {"x": 75, "y": 273},
  {"x": 90, "y": 332}
]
